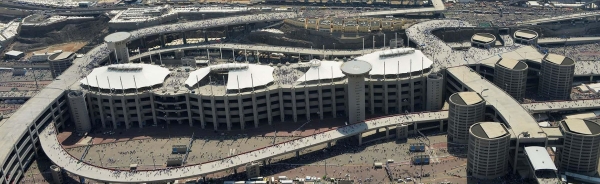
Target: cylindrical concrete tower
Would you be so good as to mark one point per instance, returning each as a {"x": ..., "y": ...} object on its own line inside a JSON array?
[
  {"x": 526, "y": 36},
  {"x": 79, "y": 111},
  {"x": 487, "y": 157},
  {"x": 356, "y": 70},
  {"x": 59, "y": 62},
  {"x": 117, "y": 44},
  {"x": 511, "y": 76},
  {"x": 466, "y": 109},
  {"x": 581, "y": 145},
  {"x": 435, "y": 86},
  {"x": 56, "y": 174},
  {"x": 556, "y": 77}
]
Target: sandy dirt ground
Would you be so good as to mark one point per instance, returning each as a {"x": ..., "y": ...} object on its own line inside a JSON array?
[{"x": 65, "y": 47}]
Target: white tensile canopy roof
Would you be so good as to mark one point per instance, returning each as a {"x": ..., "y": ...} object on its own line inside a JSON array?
[
  {"x": 320, "y": 70},
  {"x": 539, "y": 158},
  {"x": 254, "y": 75},
  {"x": 398, "y": 64},
  {"x": 249, "y": 75},
  {"x": 121, "y": 76}
]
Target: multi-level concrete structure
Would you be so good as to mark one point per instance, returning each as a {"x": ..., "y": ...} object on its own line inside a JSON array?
[
  {"x": 581, "y": 145},
  {"x": 488, "y": 150},
  {"x": 79, "y": 111},
  {"x": 466, "y": 109},
  {"x": 59, "y": 62},
  {"x": 557, "y": 77},
  {"x": 435, "y": 88},
  {"x": 526, "y": 36},
  {"x": 389, "y": 90},
  {"x": 483, "y": 40},
  {"x": 314, "y": 90},
  {"x": 117, "y": 44},
  {"x": 511, "y": 76},
  {"x": 355, "y": 71}
]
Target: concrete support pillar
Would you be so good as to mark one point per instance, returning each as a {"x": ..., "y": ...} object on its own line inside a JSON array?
[
  {"x": 201, "y": 111},
  {"x": 281, "y": 109},
  {"x": 306, "y": 103},
  {"x": 162, "y": 40},
  {"x": 214, "y": 113},
  {"x": 205, "y": 35},
  {"x": 333, "y": 102},
  {"x": 359, "y": 136},
  {"x": 441, "y": 125},
  {"x": 241, "y": 113},
  {"x": 297, "y": 153},
  {"x": 415, "y": 127},
  {"x": 399, "y": 96},
  {"x": 387, "y": 132},
  {"x": 264, "y": 162},
  {"x": 228, "y": 113},
  {"x": 328, "y": 144},
  {"x": 112, "y": 112},
  {"x": 153, "y": 109},
  {"x": 101, "y": 108},
  {"x": 143, "y": 42},
  {"x": 138, "y": 111},
  {"x": 234, "y": 170},
  {"x": 385, "y": 98},
  {"x": 255, "y": 109},
  {"x": 294, "y": 107},
  {"x": 269, "y": 110},
  {"x": 184, "y": 38},
  {"x": 320, "y": 91},
  {"x": 188, "y": 108},
  {"x": 371, "y": 97},
  {"x": 412, "y": 95}
]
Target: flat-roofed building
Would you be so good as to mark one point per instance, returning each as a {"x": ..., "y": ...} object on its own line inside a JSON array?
[
  {"x": 556, "y": 78},
  {"x": 483, "y": 40},
  {"x": 59, "y": 62},
  {"x": 466, "y": 109},
  {"x": 487, "y": 157},
  {"x": 525, "y": 36},
  {"x": 511, "y": 76},
  {"x": 581, "y": 144}
]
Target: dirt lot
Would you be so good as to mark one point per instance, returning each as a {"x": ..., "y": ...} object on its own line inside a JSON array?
[{"x": 65, "y": 47}]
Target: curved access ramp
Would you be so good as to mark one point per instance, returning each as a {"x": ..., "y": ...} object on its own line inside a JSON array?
[{"x": 67, "y": 162}]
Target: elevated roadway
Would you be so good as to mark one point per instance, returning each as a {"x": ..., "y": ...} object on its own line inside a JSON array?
[
  {"x": 212, "y": 23},
  {"x": 60, "y": 157},
  {"x": 568, "y": 41},
  {"x": 516, "y": 117},
  {"x": 14, "y": 128},
  {"x": 260, "y": 48},
  {"x": 558, "y": 106},
  {"x": 560, "y": 18},
  {"x": 438, "y": 6}
]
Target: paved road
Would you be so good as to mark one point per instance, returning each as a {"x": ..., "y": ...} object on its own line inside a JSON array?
[
  {"x": 568, "y": 41},
  {"x": 60, "y": 157},
  {"x": 562, "y": 105},
  {"x": 251, "y": 48},
  {"x": 560, "y": 18},
  {"x": 517, "y": 118}
]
